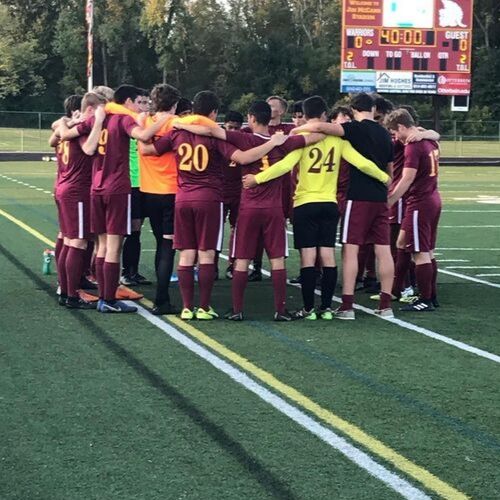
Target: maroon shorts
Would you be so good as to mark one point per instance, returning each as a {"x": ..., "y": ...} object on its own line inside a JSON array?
[
  {"x": 111, "y": 214},
  {"x": 231, "y": 209},
  {"x": 366, "y": 222},
  {"x": 397, "y": 212},
  {"x": 257, "y": 227},
  {"x": 420, "y": 224},
  {"x": 74, "y": 217},
  {"x": 199, "y": 225}
]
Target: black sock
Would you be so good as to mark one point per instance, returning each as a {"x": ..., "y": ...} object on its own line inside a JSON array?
[
  {"x": 131, "y": 253},
  {"x": 308, "y": 284},
  {"x": 164, "y": 268},
  {"x": 328, "y": 284}
]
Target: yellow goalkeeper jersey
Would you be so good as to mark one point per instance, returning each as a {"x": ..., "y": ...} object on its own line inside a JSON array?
[{"x": 319, "y": 169}]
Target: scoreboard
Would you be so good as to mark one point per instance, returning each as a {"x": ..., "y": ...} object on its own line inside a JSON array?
[{"x": 406, "y": 46}]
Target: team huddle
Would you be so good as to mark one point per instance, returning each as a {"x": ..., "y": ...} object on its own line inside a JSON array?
[{"x": 364, "y": 169}]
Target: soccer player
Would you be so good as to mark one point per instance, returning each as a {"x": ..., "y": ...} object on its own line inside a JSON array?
[
  {"x": 298, "y": 118},
  {"x": 232, "y": 186},
  {"x": 315, "y": 214},
  {"x": 366, "y": 218},
  {"x": 198, "y": 205},
  {"x": 131, "y": 253},
  {"x": 419, "y": 182},
  {"x": 109, "y": 135},
  {"x": 159, "y": 186},
  {"x": 278, "y": 109},
  {"x": 184, "y": 107}
]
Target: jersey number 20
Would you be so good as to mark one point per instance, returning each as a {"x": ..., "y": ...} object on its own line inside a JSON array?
[{"x": 190, "y": 157}]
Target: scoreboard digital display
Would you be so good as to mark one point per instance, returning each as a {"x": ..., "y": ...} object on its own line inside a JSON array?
[{"x": 407, "y": 46}]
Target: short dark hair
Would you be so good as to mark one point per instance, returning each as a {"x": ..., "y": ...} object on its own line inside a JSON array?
[
  {"x": 184, "y": 105},
  {"x": 164, "y": 97},
  {"x": 382, "y": 105},
  {"x": 72, "y": 103},
  {"x": 297, "y": 107},
  {"x": 336, "y": 110},
  {"x": 261, "y": 111},
  {"x": 233, "y": 116},
  {"x": 124, "y": 92},
  {"x": 412, "y": 111},
  {"x": 362, "y": 102},
  {"x": 399, "y": 117},
  {"x": 283, "y": 102},
  {"x": 205, "y": 102},
  {"x": 314, "y": 107}
]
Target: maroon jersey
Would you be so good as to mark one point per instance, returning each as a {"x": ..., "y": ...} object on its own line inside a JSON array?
[
  {"x": 399, "y": 161},
  {"x": 74, "y": 169},
  {"x": 110, "y": 167},
  {"x": 268, "y": 194},
  {"x": 200, "y": 161},
  {"x": 424, "y": 157},
  {"x": 285, "y": 128},
  {"x": 231, "y": 182}
]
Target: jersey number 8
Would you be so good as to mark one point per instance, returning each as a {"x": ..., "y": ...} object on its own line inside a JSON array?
[{"x": 196, "y": 157}]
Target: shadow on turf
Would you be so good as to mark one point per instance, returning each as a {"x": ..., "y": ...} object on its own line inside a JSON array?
[{"x": 269, "y": 482}]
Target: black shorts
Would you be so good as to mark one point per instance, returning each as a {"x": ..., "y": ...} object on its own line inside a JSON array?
[
  {"x": 160, "y": 209},
  {"x": 315, "y": 225},
  {"x": 137, "y": 204}
]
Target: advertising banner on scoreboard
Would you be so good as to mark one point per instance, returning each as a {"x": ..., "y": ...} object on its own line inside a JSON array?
[
  {"x": 358, "y": 81},
  {"x": 421, "y": 40}
]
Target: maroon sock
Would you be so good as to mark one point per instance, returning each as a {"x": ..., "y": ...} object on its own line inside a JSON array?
[
  {"x": 61, "y": 270},
  {"x": 385, "y": 300},
  {"x": 186, "y": 285},
  {"x": 424, "y": 274},
  {"x": 240, "y": 280},
  {"x": 347, "y": 302},
  {"x": 99, "y": 274},
  {"x": 87, "y": 259},
  {"x": 111, "y": 273},
  {"x": 206, "y": 279},
  {"x": 434, "y": 278},
  {"x": 278, "y": 277},
  {"x": 74, "y": 266},
  {"x": 403, "y": 262},
  {"x": 58, "y": 248}
]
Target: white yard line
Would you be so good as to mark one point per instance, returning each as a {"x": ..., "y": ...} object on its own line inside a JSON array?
[
  {"x": 472, "y": 267},
  {"x": 485, "y": 275},
  {"x": 355, "y": 455},
  {"x": 459, "y": 249},
  {"x": 469, "y": 278},
  {"x": 467, "y": 227},
  {"x": 452, "y": 260},
  {"x": 414, "y": 328}
]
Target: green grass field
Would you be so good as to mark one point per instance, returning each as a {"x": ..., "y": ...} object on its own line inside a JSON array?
[
  {"x": 114, "y": 407},
  {"x": 25, "y": 140}
]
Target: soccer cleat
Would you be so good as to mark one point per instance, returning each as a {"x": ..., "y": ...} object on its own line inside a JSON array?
[
  {"x": 140, "y": 279},
  {"x": 206, "y": 315},
  {"x": 87, "y": 284},
  {"x": 419, "y": 306},
  {"x": 408, "y": 292},
  {"x": 174, "y": 278},
  {"x": 61, "y": 300},
  {"x": 409, "y": 299},
  {"x": 344, "y": 314},
  {"x": 384, "y": 313},
  {"x": 127, "y": 280},
  {"x": 303, "y": 314},
  {"x": 232, "y": 316},
  {"x": 255, "y": 275},
  {"x": 229, "y": 273},
  {"x": 295, "y": 281},
  {"x": 124, "y": 293},
  {"x": 326, "y": 314},
  {"x": 79, "y": 303},
  {"x": 167, "y": 308},
  {"x": 284, "y": 316},
  {"x": 377, "y": 297},
  {"x": 187, "y": 314},
  {"x": 116, "y": 306},
  {"x": 87, "y": 297}
]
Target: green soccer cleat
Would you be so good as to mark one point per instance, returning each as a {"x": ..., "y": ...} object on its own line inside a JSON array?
[
  {"x": 326, "y": 314},
  {"x": 187, "y": 314},
  {"x": 303, "y": 314},
  {"x": 204, "y": 315}
]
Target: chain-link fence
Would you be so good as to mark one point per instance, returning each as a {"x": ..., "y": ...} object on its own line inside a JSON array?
[{"x": 29, "y": 131}]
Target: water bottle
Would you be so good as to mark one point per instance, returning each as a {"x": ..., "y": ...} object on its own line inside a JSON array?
[{"x": 47, "y": 261}]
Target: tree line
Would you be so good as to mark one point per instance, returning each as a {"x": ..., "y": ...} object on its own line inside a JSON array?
[{"x": 241, "y": 49}]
